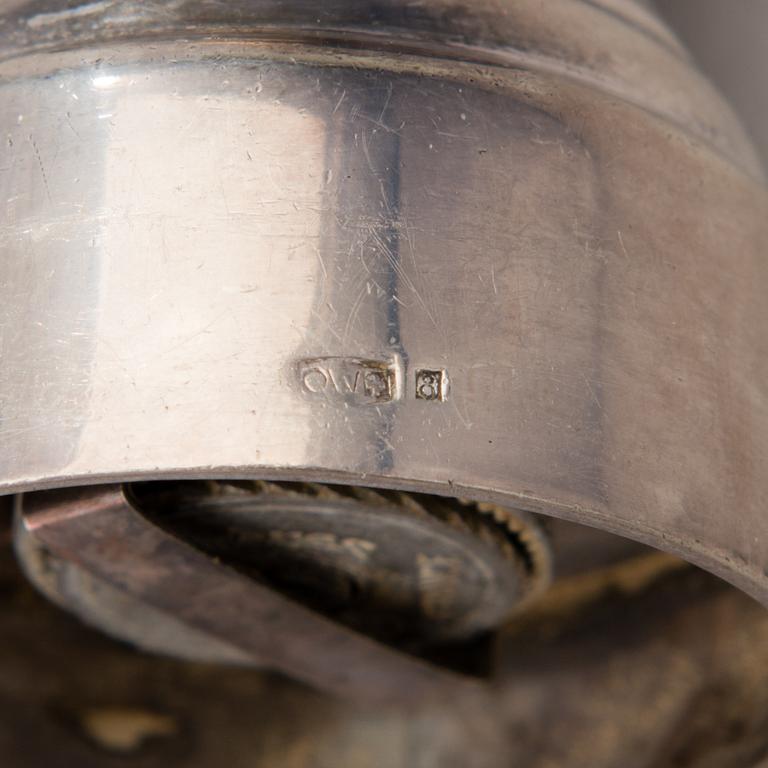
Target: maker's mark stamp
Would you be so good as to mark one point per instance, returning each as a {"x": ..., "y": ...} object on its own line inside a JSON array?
[
  {"x": 362, "y": 381},
  {"x": 351, "y": 379}
]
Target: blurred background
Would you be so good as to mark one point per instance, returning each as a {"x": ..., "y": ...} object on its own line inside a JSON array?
[{"x": 729, "y": 40}]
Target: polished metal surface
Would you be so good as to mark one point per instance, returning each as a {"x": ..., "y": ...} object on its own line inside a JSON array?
[{"x": 489, "y": 251}]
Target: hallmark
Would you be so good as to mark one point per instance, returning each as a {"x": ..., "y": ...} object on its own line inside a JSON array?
[
  {"x": 431, "y": 384},
  {"x": 351, "y": 379}
]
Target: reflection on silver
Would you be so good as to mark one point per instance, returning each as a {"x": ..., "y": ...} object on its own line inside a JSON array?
[{"x": 573, "y": 240}]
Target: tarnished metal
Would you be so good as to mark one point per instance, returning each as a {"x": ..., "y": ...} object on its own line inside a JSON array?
[
  {"x": 613, "y": 671},
  {"x": 418, "y": 573},
  {"x": 100, "y": 531}
]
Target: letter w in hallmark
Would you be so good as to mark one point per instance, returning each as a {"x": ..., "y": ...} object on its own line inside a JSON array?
[{"x": 349, "y": 379}]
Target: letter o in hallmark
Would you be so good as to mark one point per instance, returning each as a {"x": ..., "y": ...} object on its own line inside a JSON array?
[{"x": 314, "y": 379}]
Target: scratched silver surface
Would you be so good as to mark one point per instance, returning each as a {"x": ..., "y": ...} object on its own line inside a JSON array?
[{"x": 545, "y": 216}]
